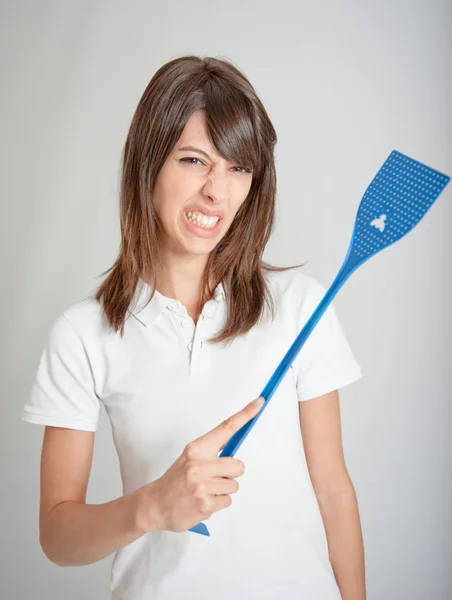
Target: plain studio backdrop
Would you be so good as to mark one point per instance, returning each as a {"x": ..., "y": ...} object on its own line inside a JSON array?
[{"x": 344, "y": 83}]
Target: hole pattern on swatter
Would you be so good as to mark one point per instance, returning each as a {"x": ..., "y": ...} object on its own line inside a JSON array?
[{"x": 395, "y": 201}]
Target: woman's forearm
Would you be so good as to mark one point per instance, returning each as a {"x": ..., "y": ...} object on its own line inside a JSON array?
[
  {"x": 340, "y": 516},
  {"x": 75, "y": 534}
]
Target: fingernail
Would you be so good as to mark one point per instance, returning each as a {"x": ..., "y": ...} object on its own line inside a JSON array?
[{"x": 259, "y": 401}]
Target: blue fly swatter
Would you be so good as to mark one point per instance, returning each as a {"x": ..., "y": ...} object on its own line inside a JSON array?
[{"x": 396, "y": 200}]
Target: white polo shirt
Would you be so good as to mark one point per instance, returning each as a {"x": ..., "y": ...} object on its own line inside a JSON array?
[{"x": 163, "y": 385}]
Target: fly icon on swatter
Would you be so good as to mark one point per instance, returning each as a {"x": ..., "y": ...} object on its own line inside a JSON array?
[{"x": 379, "y": 223}]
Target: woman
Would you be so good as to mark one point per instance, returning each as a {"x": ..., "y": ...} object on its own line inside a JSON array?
[{"x": 174, "y": 344}]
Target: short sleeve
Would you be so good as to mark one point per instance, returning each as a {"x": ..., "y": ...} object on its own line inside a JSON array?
[
  {"x": 326, "y": 361},
  {"x": 63, "y": 393}
]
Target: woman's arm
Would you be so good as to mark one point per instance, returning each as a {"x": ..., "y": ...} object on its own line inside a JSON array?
[
  {"x": 322, "y": 439},
  {"x": 73, "y": 533}
]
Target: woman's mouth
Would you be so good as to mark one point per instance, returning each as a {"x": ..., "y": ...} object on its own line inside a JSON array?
[{"x": 201, "y": 225}]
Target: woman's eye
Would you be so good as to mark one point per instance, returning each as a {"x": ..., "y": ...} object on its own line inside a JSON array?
[
  {"x": 189, "y": 159},
  {"x": 245, "y": 170}
]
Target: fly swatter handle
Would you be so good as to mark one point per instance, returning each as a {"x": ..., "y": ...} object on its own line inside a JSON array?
[{"x": 239, "y": 436}]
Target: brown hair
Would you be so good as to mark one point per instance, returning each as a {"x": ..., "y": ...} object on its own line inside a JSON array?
[{"x": 241, "y": 131}]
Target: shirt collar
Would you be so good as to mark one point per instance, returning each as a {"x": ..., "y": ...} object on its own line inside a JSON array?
[{"x": 148, "y": 314}]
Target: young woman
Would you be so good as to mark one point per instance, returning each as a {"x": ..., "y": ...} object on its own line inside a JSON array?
[{"x": 185, "y": 330}]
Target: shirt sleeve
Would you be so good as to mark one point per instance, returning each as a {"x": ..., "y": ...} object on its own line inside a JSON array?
[
  {"x": 63, "y": 393},
  {"x": 325, "y": 361}
]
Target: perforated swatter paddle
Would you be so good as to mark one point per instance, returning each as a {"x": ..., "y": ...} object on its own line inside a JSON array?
[{"x": 396, "y": 200}]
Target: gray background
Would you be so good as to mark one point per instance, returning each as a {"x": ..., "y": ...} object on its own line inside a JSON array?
[{"x": 344, "y": 84}]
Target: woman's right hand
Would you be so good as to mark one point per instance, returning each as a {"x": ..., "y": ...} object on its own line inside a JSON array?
[{"x": 198, "y": 483}]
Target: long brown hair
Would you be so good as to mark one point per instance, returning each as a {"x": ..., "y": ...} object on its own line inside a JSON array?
[{"x": 241, "y": 131}]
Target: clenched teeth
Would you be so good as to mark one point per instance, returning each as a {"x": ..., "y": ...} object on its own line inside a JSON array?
[{"x": 202, "y": 220}]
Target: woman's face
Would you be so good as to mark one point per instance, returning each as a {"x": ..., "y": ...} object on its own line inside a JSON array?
[{"x": 190, "y": 181}]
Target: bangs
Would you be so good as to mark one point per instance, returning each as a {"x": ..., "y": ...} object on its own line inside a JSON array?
[{"x": 230, "y": 124}]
